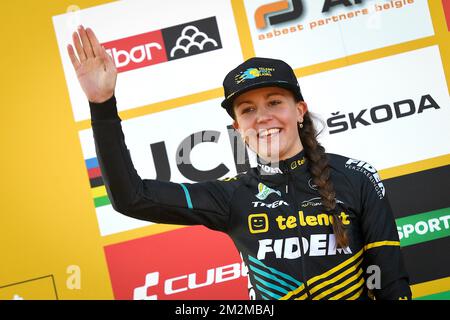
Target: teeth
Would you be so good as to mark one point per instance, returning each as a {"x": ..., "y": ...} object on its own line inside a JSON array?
[{"x": 264, "y": 133}]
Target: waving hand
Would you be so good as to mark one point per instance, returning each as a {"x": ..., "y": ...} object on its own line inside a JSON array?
[{"x": 95, "y": 69}]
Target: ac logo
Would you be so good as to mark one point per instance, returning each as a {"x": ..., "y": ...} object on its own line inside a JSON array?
[
  {"x": 275, "y": 13},
  {"x": 283, "y": 11}
]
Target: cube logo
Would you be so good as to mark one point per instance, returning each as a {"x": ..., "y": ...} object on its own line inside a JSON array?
[
  {"x": 191, "y": 263},
  {"x": 186, "y": 282},
  {"x": 164, "y": 45},
  {"x": 151, "y": 280}
]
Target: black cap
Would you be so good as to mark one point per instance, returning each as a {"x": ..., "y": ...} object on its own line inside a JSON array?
[{"x": 257, "y": 73}]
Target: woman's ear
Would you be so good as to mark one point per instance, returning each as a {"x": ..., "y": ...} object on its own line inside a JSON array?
[
  {"x": 302, "y": 108},
  {"x": 235, "y": 125}
]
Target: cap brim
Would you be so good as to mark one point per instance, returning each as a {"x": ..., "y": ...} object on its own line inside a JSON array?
[{"x": 228, "y": 102}]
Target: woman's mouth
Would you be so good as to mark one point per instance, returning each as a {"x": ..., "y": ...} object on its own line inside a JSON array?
[{"x": 268, "y": 133}]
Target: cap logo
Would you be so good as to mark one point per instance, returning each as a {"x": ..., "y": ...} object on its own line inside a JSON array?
[{"x": 252, "y": 73}]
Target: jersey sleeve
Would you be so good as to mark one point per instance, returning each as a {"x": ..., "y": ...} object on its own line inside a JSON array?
[
  {"x": 204, "y": 203},
  {"x": 382, "y": 245}
]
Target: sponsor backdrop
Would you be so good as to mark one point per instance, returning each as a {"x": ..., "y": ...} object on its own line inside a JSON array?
[{"x": 376, "y": 74}]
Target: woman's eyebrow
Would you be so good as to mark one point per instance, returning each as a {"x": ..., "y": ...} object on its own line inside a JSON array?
[
  {"x": 273, "y": 94},
  {"x": 242, "y": 102},
  {"x": 268, "y": 95}
]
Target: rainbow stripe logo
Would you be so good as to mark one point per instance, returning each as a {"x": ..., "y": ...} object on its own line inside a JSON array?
[{"x": 98, "y": 188}]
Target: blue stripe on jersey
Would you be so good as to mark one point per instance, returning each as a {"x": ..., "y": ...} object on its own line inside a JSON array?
[
  {"x": 188, "y": 196},
  {"x": 270, "y": 276},
  {"x": 264, "y": 297},
  {"x": 271, "y": 285},
  {"x": 284, "y": 275},
  {"x": 273, "y": 295}
]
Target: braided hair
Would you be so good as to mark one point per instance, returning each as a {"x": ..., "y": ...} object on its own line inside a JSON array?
[{"x": 321, "y": 175}]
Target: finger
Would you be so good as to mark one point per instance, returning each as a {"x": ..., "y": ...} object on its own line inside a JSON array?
[
  {"x": 73, "y": 57},
  {"x": 86, "y": 43},
  {"x": 78, "y": 47},
  {"x": 96, "y": 47},
  {"x": 107, "y": 59}
]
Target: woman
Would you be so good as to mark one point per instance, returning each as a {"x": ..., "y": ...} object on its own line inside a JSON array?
[{"x": 309, "y": 225}]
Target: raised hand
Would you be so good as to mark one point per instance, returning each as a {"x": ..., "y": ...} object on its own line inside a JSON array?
[{"x": 95, "y": 69}]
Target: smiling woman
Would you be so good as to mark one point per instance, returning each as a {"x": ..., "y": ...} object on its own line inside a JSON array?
[
  {"x": 270, "y": 114},
  {"x": 264, "y": 99},
  {"x": 267, "y": 120}
]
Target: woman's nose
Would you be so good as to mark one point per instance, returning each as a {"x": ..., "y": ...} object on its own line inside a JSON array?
[{"x": 263, "y": 115}]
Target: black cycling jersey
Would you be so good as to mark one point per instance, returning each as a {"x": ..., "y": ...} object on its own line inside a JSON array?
[{"x": 276, "y": 220}]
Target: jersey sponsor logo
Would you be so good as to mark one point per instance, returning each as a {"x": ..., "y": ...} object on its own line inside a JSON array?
[
  {"x": 321, "y": 219},
  {"x": 315, "y": 202},
  {"x": 290, "y": 248},
  {"x": 258, "y": 223},
  {"x": 297, "y": 163},
  {"x": 164, "y": 45},
  {"x": 311, "y": 184},
  {"x": 368, "y": 171},
  {"x": 265, "y": 191},
  {"x": 269, "y": 169},
  {"x": 272, "y": 205},
  {"x": 252, "y": 73},
  {"x": 273, "y": 170}
]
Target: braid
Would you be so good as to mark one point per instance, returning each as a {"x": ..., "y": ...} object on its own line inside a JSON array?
[{"x": 320, "y": 171}]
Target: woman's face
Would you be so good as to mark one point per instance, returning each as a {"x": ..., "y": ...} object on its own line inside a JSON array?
[{"x": 267, "y": 120}]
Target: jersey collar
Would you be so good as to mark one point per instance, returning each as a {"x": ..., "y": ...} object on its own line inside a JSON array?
[{"x": 295, "y": 163}]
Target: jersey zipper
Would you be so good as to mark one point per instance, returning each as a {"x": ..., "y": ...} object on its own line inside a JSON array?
[{"x": 302, "y": 252}]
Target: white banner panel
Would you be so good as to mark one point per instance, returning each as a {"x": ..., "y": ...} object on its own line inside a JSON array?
[
  {"x": 389, "y": 111},
  {"x": 163, "y": 50},
  {"x": 212, "y": 154},
  {"x": 306, "y": 32}
]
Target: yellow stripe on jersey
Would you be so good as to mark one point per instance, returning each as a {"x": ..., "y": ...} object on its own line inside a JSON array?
[
  {"x": 337, "y": 268},
  {"x": 339, "y": 286},
  {"x": 356, "y": 286},
  {"x": 334, "y": 280},
  {"x": 293, "y": 292},
  {"x": 381, "y": 243}
]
